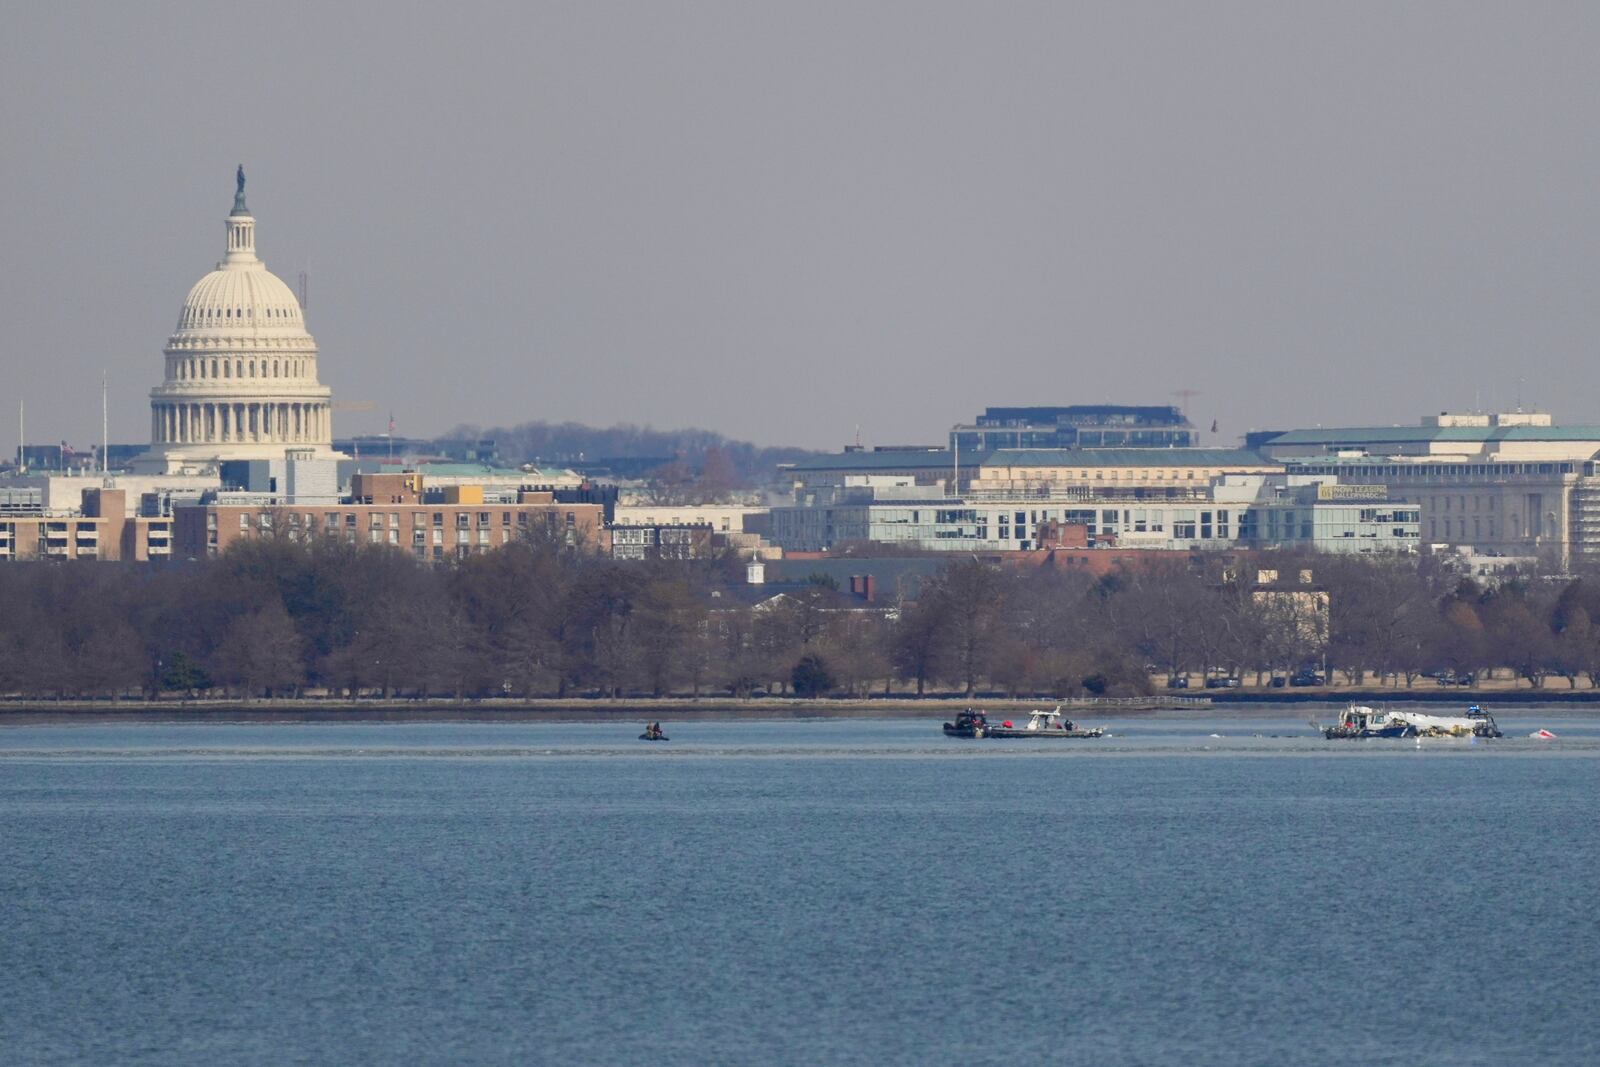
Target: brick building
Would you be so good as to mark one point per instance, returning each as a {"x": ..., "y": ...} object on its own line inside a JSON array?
[{"x": 396, "y": 509}]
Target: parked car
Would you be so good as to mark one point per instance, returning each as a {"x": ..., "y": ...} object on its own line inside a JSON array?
[
  {"x": 1307, "y": 678},
  {"x": 1178, "y": 681},
  {"x": 1454, "y": 678},
  {"x": 1278, "y": 681},
  {"x": 1223, "y": 682}
]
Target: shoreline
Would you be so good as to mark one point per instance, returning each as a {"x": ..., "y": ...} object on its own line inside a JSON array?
[{"x": 1232, "y": 704}]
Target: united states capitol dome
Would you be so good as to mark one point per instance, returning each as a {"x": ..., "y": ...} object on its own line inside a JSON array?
[
  {"x": 240, "y": 378},
  {"x": 241, "y": 297}
]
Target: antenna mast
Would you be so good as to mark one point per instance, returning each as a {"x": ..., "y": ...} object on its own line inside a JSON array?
[
  {"x": 955, "y": 468},
  {"x": 105, "y": 427},
  {"x": 22, "y": 435}
]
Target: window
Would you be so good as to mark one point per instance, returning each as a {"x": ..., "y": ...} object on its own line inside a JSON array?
[
  {"x": 244, "y": 521},
  {"x": 462, "y": 519}
]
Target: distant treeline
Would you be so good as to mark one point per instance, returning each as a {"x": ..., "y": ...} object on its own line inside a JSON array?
[
  {"x": 571, "y": 442},
  {"x": 540, "y": 619}
]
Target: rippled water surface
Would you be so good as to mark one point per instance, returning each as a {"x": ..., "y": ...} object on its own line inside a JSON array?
[{"x": 1191, "y": 890}]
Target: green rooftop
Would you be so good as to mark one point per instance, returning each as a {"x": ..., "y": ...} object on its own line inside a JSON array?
[
  {"x": 1126, "y": 457},
  {"x": 1372, "y": 435}
]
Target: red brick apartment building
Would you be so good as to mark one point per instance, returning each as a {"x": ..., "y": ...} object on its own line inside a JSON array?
[
  {"x": 103, "y": 531},
  {"x": 390, "y": 509}
]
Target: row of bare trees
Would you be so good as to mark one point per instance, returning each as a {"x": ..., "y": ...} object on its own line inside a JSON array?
[{"x": 539, "y": 619}]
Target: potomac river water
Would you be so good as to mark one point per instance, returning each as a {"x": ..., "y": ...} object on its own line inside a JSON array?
[{"x": 826, "y": 891}]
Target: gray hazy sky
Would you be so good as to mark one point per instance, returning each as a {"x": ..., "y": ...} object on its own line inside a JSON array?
[{"x": 781, "y": 221}]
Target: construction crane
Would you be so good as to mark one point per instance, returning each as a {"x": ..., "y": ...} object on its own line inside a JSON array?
[{"x": 1184, "y": 396}]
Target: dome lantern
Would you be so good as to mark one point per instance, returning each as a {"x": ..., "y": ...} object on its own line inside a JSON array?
[{"x": 241, "y": 230}]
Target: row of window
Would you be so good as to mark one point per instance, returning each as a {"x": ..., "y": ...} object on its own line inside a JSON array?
[
  {"x": 212, "y": 316},
  {"x": 1434, "y": 471},
  {"x": 333, "y": 520}
]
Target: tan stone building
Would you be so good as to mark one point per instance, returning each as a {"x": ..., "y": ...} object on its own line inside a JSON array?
[{"x": 102, "y": 529}]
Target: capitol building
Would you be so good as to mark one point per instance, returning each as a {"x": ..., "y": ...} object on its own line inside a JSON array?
[{"x": 241, "y": 370}]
